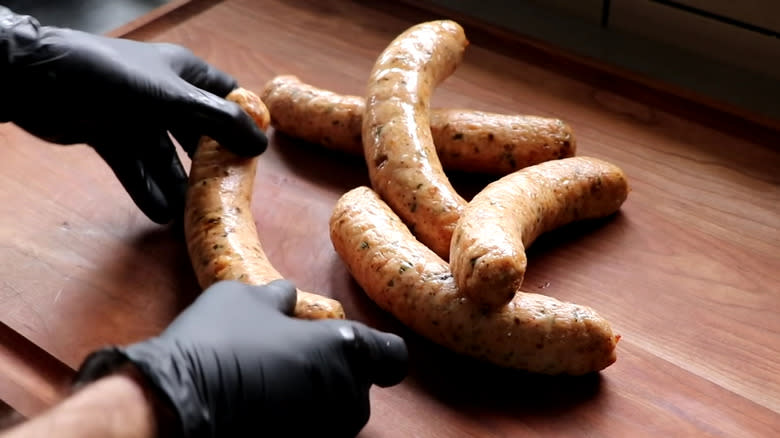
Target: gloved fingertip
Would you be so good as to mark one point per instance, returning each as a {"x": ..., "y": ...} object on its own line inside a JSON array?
[
  {"x": 153, "y": 203},
  {"x": 246, "y": 139},
  {"x": 388, "y": 356},
  {"x": 165, "y": 171},
  {"x": 143, "y": 190},
  {"x": 227, "y": 123},
  {"x": 158, "y": 216},
  {"x": 282, "y": 294},
  {"x": 394, "y": 359}
]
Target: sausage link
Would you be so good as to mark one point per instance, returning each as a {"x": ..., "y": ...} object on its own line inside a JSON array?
[
  {"x": 476, "y": 141},
  {"x": 315, "y": 115},
  {"x": 487, "y": 255},
  {"x": 402, "y": 161},
  {"x": 533, "y": 332},
  {"x": 465, "y": 140},
  {"x": 219, "y": 228}
]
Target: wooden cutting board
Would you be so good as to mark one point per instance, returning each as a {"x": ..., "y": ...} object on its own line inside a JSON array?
[{"x": 687, "y": 272}]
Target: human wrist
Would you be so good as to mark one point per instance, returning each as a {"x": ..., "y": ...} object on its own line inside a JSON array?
[
  {"x": 124, "y": 401},
  {"x": 114, "y": 406},
  {"x": 116, "y": 361},
  {"x": 164, "y": 417},
  {"x": 164, "y": 372}
]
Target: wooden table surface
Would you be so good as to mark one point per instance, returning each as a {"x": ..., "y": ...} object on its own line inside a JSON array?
[{"x": 688, "y": 272}]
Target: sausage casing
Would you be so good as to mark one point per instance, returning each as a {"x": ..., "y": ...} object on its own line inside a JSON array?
[
  {"x": 487, "y": 254},
  {"x": 532, "y": 332},
  {"x": 219, "y": 227},
  {"x": 465, "y": 140}
]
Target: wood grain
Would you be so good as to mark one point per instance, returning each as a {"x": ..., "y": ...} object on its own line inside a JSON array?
[
  {"x": 31, "y": 381},
  {"x": 688, "y": 272}
]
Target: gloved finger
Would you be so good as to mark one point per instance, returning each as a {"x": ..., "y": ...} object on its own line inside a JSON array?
[
  {"x": 221, "y": 120},
  {"x": 165, "y": 170},
  {"x": 138, "y": 183},
  {"x": 187, "y": 139},
  {"x": 207, "y": 77},
  {"x": 384, "y": 355},
  {"x": 197, "y": 71},
  {"x": 278, "y": 294}
]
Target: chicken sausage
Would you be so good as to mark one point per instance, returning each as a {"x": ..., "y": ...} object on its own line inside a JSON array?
[
  {"x": 219, "y": 228},
  {"x": 397, "y": 143},
  {"x": 532, "y": 332},
  {"x": 487, "y": 254},
  {"x": 465, "y": 140}
]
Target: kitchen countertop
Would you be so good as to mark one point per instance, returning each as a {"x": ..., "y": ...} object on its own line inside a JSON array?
[{"x": 688, "y": 272}]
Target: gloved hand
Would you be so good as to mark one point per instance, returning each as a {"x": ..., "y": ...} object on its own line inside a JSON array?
[
  {"x": 122, "y": 97},
  {"x": 235, "y": 364}
]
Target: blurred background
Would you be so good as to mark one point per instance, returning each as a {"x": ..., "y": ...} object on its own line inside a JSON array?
[
  {"x": 97, "y": 16},
  {"x": 727, "y": 51}
]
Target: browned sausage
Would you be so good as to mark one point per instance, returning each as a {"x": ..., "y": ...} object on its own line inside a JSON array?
[
  {"x": 219, "y": 228},
  {"x": 487, "y": 255},
  {"x": 532, "y": 332},
  {"x": 402, "y": 161},
  {"x": 465, "y": 140}
]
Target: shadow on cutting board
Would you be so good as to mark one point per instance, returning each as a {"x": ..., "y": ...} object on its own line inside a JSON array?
[{"x": 8, "y": 416}]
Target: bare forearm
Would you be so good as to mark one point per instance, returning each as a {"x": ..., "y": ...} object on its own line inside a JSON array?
[{"x": 116, "y": 406}]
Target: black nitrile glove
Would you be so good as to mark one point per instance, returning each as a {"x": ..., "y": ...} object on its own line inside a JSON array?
[
  {"x": 235, "y": 364},
  {"x": 121, "y": 97}
]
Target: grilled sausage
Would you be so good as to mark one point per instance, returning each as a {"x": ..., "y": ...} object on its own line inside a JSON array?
[
  {"x": 465, "y": 140},
  {"x": 402, "y": 161},
  {"x": 487, "y": 254},
  {"x": 220, "y": 231},
  {"x": 533, "y": 332}
]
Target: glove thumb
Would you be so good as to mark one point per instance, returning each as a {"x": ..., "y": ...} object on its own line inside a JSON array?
[
  {"x": 279, "y": 294},
  {"x": 385, "y": 354}
]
